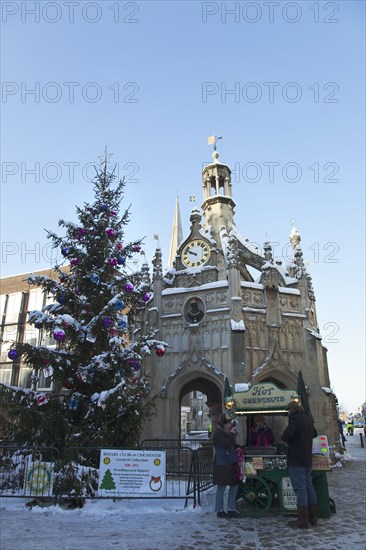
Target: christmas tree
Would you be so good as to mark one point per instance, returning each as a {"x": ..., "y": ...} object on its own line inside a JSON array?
[
  {"x": 108, "y": 481},
  {"x": 101, "y": 393}
]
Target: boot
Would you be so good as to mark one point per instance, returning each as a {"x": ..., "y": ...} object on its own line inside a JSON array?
[
  {"x": 302, "y": 520},
  {"x": 313, "y": 518}
]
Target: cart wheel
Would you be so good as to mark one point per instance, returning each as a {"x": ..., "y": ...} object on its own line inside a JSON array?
[{"x": 254, "y": 497}]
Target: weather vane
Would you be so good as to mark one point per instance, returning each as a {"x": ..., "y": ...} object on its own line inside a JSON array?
[{"x": 212, "y": 140}]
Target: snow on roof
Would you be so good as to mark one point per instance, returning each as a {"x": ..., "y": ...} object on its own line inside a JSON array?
[
  {"x": 170, "y": 315},
  {"x": 181, "y": 290},
  {"x": 315, "y": 333},
  {"x": 282, "y": 270},
  {"x": 218, "y": 310},
  {"x": 294, "y": 314},
  {"x": 237, "y": 326},
  {"x": 250, "y": 245},
  {"x": 219, "y": 163},
  {"x": 329, "y": 391},
  {"x": 206, "y": 232},
  {"x": 252, "y": 285},
  {"x": 224, "y": 240},
  {"x": 285, "y": 290},
  {"x": 254, "y": 310},
  {"x": 242, "y": 386}
]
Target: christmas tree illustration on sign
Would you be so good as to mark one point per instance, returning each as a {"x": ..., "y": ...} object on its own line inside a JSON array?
[{"x": 108, "y": 481}]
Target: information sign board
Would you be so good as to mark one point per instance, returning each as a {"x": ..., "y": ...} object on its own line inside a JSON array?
[{"x": 132, "y": 473}]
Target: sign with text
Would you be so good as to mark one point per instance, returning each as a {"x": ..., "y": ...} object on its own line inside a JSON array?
[
  {"x": 263, "y": 397},
  {"x": 289, "y": 500},
  {"x": 321, "y": 458},
  {"x": 129, "y": 473}
]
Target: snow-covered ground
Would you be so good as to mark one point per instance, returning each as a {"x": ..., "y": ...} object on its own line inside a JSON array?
[{"x": 166, "y": 525}]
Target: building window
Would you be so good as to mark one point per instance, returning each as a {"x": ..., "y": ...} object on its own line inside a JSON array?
[{"x": 5, "y": 375}]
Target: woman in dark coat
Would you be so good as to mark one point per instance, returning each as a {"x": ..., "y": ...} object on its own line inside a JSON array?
[{"x": 225, "y": 467}]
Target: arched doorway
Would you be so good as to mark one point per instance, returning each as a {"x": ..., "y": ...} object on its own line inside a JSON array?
[
  {"x": 209, "y": 384},
  {"x": 204, "y": 400}
]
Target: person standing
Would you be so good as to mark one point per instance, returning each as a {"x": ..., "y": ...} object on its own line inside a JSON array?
[
  {"x": 340, "y": 429},
  {"x": 261, "y": 435},
  {"x": 225, "y": 467},
  {"x": 298, "y": 436}
]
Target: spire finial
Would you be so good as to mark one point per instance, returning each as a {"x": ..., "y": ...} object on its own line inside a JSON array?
[
  {"x": 294, "y": 235},
  {"x": 212, "y": 140}
]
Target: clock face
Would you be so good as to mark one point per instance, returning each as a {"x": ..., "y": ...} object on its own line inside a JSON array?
[{"x": 195, "y": 253}]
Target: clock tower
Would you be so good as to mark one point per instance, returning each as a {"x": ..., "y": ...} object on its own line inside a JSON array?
[{"x": 230, "y": 314}]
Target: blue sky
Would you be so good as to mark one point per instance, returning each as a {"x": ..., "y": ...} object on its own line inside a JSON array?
[{"x": 151, "y": 80}]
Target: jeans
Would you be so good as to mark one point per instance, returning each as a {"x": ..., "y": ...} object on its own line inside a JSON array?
[
  {"x": 231, "y": 499},
  {"x": 302, "y": 485}
]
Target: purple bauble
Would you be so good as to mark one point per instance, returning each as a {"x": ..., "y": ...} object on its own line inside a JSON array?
[
  {"x": 108, "y": 322},
  {"x": 75, "y": 261},
  {"x": 134, "y": 363},
  {"x": 112, "y": 261},
  {"x": 129, "y": 287},
  {"x": 146, "y": 296},
  {"x": 137, "y": 248},
  {"x": 59, "y": 335},
  {"x": 110, "y": 232},
  {"x": 81, "y": 232},
  {"x": 61, "y": 298},
  {"x": 13, "y": 354}
]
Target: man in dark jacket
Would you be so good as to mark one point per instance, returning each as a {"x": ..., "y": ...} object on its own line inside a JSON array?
[{"x": 299, "y": 436}]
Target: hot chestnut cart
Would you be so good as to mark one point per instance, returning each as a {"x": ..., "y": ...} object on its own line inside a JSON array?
[{"x": 267, "y": 483}]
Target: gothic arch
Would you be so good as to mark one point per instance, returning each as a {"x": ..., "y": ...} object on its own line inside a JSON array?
[
  {"x": 280, "y": 375},
  {"x": 205, "y": 379},
  {"x": 210, "y": 383}
]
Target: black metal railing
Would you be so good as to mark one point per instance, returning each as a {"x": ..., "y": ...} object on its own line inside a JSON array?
[{"x": 43, "y": 473}]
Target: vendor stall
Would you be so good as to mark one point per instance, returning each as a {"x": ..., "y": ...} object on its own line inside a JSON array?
[{"x": 266, "y": 481}]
